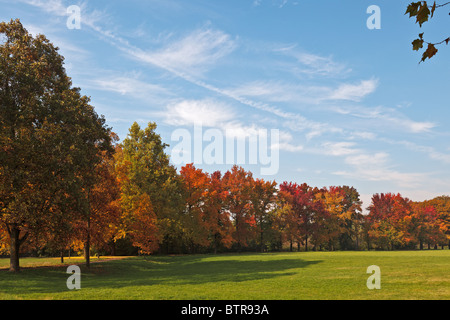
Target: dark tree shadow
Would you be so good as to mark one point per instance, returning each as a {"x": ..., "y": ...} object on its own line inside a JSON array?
[{"x": 168, "y": 270}]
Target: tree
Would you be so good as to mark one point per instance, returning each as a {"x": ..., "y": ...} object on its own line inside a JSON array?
[
  {"x": 387, "y": 214},
  {"x": 47, "y": 132},
  {"x": 422, "y": 11},
  {"x": 195, "y": 222},
  {"x": 220, "y": 225},
  {"x": 305, "y": 209},
  {"x": 442, "y": 206},
  {"x": 237, "y": 183},
  {"x": 283, "y": 222},
  {"x": 353, "y": 219},
  {"x": 422, "y": 224},
  {"x": 104, "y": 202},
  {"x": 144, "y": 170},
  {"x": 262, "y": 199},
  {"x": 333, "y": 218}
]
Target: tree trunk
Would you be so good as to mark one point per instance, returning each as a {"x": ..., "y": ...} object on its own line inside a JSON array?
[
  {"x": 87, "y": 245},
  {"x": 113, "y": 248},
  {"x": 215, "y": 243},
  {"x": 62, "y": 256},
  {"x": 261, "y": 241},
  {"x": 306, "y": 243},
  {"x": 14, "y": 249},
  {"x": 421, "y": 245},
  {"x": 290, "y": 245}
]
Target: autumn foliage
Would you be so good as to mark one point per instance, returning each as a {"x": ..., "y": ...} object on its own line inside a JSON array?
[{"x": 68, "y": 185}]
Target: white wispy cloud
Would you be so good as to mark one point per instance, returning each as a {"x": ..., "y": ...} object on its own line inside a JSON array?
[
  {"x": 205, "y": 112},
  {"x": 55, "y": 7},
  {"x": 381, "y": 118},
  {"x": 431, "y": 152},
  {"x": 354, "y": 92},
  {"x": 276, "y": 91},
  {"x": 59, "y": 8},
  {"x": 131, "y": 86},
  {"x": 211, "y": 113},
  {"x": 312, "y": 64},
  {"x": 339, "y": 148},
  {"x": 189, "y": 57},
  {"x": 193, "y": 54},
  {"x": 376, "y": 167}
]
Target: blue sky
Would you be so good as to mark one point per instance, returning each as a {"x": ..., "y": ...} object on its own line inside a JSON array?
[{"x": 353, "y": 106}]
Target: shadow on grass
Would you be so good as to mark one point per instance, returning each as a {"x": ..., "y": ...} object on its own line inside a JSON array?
[{"x": 148, "y": 271}]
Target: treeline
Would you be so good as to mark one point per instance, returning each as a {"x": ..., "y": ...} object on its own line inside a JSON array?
[
  {"x": 67, "y": 185},
  {"x": 140, "y": 203}
]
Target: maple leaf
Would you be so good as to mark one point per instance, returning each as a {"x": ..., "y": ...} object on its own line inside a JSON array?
[
  {"x": 417, "y": 44},
  {"x": 430, "y": 52},
  {"x": 412, "y": 9},
  {"x": 422, "y": 14}
]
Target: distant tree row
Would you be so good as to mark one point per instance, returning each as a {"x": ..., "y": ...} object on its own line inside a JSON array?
[{"x": 67, "y": 185}]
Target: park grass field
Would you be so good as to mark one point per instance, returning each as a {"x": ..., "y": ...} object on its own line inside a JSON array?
[{"x": 420, "y": 275}]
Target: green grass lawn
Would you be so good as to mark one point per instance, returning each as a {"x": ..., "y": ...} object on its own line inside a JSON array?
[{"x": 287, "y": 276}]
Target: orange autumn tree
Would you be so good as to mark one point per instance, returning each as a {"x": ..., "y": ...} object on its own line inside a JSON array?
[
  {"x": 332, "y": 218},
  {"x": 221, "y": 225},
  {"x": 286, "y": 222},
  {"x": 442, "y": 207},
  {"x": 343, "y": 217},
  {"x": 196, "y": 225},
  {"x": 143, "y": 224},
  {"x": 238, "y": 183},
  {"x": 105, "y": 206},
  {"x": 206, "y": 223}
]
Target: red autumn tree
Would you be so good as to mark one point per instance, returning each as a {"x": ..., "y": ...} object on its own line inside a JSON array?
[
  {"x": 305, "y": 208},
  {"x": 387, "y": 214},
  {"x": 422, "y": 224}
]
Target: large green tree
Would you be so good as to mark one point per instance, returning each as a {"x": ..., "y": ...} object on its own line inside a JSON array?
[
  {"x": 50, "y": 137},
  {"x": 147, "y": 177}
]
